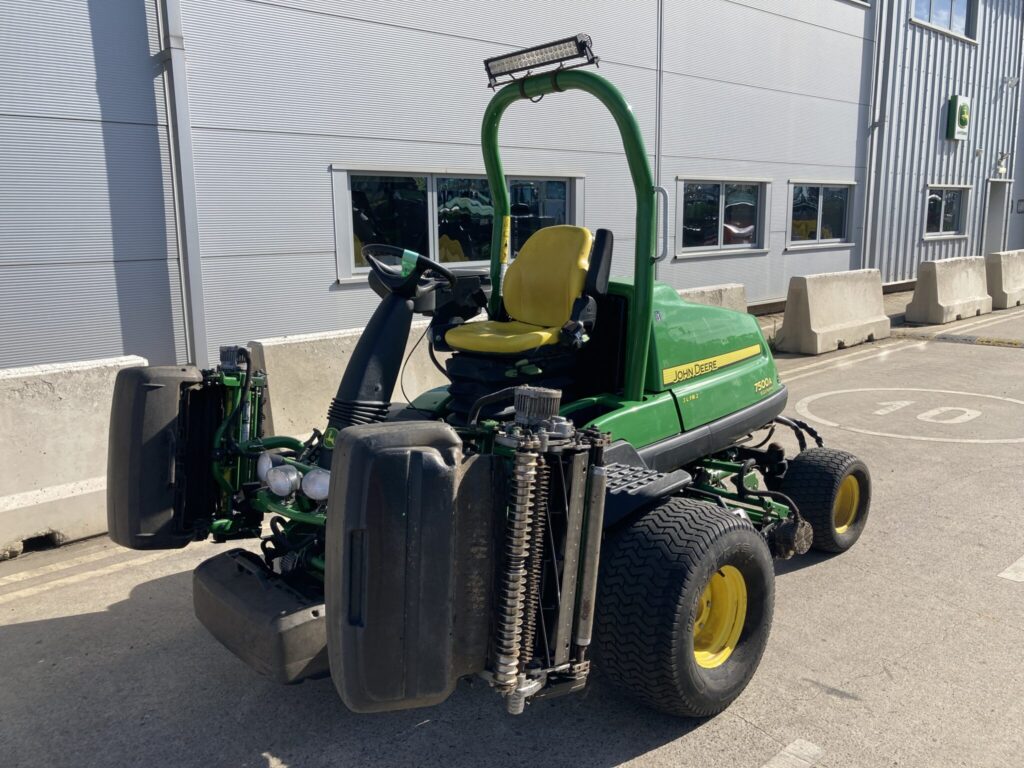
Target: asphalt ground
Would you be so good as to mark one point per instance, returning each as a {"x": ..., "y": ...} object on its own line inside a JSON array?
[{"x": 906, "y": 651}]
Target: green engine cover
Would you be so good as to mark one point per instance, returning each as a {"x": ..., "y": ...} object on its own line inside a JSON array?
[{"x": 713, "y": 361}]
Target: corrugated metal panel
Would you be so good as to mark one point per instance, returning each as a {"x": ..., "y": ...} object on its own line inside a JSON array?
[
  {"x": 383, "y": 86},
  {"x": 751, "y": 91},
  {"x": 82, "y": 61},
  {"x": 81, "y": 311},
  {"x": 393, "y": 86},
  {"x": 74, "y": 191},
  {"x": 88, "y": 253},
  {"x": 926, "y": 68}
]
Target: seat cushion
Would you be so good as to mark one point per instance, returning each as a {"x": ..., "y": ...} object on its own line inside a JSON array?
[
  {"x": 500, "y": 338},
  {"x": 548, "y": 275}
]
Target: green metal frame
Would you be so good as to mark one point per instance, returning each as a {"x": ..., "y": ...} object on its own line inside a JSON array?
[{"x": 532, "y": 88}]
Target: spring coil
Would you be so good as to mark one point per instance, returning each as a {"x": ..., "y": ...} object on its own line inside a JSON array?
[
  {"x": 513, "y": 587},
  {"x": 535, "y": 564}
]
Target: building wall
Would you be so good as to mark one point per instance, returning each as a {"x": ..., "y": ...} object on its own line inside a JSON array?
[
  {"x": 925, "y": 67},
  {"x": 88, "y": 252},
  {"x": 1015, "y": 230},
  {"x": 312, "y": 86},
  {"x": 752, "y": 91}
]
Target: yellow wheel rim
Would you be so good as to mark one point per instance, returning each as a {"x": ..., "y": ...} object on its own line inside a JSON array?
[
  {"x": 721, "y": 611},
  {"x": 844, "y": 509}
]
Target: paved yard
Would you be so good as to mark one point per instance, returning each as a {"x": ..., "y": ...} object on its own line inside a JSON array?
[{"x": 908, "y": 650}]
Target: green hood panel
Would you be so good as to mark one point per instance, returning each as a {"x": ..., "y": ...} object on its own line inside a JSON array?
[{"x": 714, "y": 361}]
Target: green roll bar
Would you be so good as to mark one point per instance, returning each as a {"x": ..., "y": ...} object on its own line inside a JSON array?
[{"x": 533, "y": 87}]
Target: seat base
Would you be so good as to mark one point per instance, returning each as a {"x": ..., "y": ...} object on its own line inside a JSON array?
[{"x": 500, "y": 338}]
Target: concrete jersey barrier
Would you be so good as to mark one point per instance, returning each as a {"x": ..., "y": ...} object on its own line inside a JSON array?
[
  {"x": 1005, "y": 273},
  {"x": 949, "y": 290},
  {"x": 303, "y": 372},
  {"x": 832, "y": 311},
  {"x": 54, "y": 421},
  {"x": 728, "y": 295}
]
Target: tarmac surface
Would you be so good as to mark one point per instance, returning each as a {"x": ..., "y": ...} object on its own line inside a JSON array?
[{"x": 906, "y": 651}]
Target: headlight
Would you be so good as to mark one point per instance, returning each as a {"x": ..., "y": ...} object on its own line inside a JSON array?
[
  {"x": 283, "y": 480},
  {"x": 265, "y": 463},
  {"x": 316, "y": 483}
]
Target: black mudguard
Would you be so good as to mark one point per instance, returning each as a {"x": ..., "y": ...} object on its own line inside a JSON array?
[
  {"x": 409, "y": 564},
  {"x": 145, "y": 477}
]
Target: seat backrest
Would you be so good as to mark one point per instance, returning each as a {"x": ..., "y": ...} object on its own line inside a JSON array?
[{"x": 548, "y": 275}]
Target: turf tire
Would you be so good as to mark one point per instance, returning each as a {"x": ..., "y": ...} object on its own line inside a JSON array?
[
  {"x": 813, "y": 479},
  {"x": 653, "y": 573}
]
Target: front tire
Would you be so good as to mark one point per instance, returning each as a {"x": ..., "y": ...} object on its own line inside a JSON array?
[
  {"x": 832, "y": 490},
  {"x": 685, "y": 606}
]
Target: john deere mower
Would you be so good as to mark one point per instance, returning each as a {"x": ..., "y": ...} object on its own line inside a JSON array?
[{"x": 597, "y": 484}]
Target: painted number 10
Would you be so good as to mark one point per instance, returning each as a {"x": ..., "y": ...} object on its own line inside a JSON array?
[{"x": 943, "y": 415}]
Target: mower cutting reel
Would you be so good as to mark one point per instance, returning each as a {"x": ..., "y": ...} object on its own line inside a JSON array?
[{"x": 597, "y": 484}]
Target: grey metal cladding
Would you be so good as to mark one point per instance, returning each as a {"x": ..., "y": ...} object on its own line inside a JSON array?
[
  {"x": 754, "y": 92},
  {"x": 88, "y": 253},
  {"x": 926, "y": 68},
  {"x": 90, "y": 310}
]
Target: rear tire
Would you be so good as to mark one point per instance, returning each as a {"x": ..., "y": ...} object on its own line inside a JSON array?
[
  {"x": 660, "y": 635},
  {"x": 832, "y": 490}
]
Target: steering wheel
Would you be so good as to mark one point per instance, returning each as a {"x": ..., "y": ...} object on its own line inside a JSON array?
[{"x": 406, "y": 273}]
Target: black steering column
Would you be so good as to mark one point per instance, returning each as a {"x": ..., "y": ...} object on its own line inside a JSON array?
[{"x": 402, "y": 278}]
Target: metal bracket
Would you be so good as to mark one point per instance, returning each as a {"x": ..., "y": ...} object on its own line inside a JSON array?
[{"x": 663, "y": 194}]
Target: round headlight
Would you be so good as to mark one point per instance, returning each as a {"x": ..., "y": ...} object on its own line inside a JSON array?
[
  {"x": 316, "y": 483},
  {"x": 283, "y": 480},
  {"x": 265, "y": 463}
]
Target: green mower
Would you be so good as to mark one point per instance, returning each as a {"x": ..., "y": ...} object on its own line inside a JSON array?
[{"x": 596, "y": 485}]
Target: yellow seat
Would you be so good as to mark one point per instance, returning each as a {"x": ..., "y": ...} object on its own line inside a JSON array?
[{"x": 539, "y": 290}]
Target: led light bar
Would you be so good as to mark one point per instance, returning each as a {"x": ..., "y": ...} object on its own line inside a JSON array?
[{"x": 529, "y": 59}]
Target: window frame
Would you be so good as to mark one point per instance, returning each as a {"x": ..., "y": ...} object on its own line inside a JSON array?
[
  {"x": 965, "y": 197},
  {"x": 819, "y": 242},
  {"x": 969, "y": 35},
  {"x": 346, "y": 269},
  {"x": 760, "y": 235}
]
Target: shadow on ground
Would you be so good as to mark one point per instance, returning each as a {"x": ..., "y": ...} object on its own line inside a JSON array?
[{"x": 147, "y": 686}]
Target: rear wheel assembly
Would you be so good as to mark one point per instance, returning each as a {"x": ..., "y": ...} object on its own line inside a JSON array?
[
  {"x": 685, "y": 607},
  {"x": 832, "y": 490}
]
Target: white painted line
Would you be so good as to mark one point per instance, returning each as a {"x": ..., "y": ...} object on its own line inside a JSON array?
[
  {"x": 52, "y": 493},
  {"x": 799, "y": 754},
  {"x": 63, "y": 565},
  {"x": 822, "y": 363},
  {"x": 843, "y": 363},
  {"x": 1015, "y": 572},
  {"x": 80, "y": 577},
  {"x": 803, "y": 408}
]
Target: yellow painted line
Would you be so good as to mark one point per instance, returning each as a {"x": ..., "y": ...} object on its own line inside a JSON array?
[
  {"x": 63, "y": 565},
  {"x": 798, "y": 754},
  {"x": 1015, "y": 572},
  {"x": 696, "y": 368},
  {"x": 78, "y": 578}
]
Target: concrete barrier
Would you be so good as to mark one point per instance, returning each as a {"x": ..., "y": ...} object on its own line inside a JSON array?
[
  {"x": 832, "y": 311},
  {"x": 303, "y": 374},
  {"x": 54, "y": 421},
  {"x": 949, "y": 290},
  {"x": 1005, "y": 273},
  {"x": 729, "y": 295}
]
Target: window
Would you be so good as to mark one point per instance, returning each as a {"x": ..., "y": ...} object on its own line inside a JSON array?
[
  {"x": 390, "y": 210},
  {"x": 448, "y": 218},
  {"x": 718, "y": 215},
  {"x": 945, "y": 211},
  {"x": 820, "y": 214},
  {"x": 954, "y": 15}
]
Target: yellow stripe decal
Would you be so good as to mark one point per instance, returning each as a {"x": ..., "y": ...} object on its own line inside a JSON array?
[
  {"x": 506, "y": 239},
  {"x": 707, "y": 365}
]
